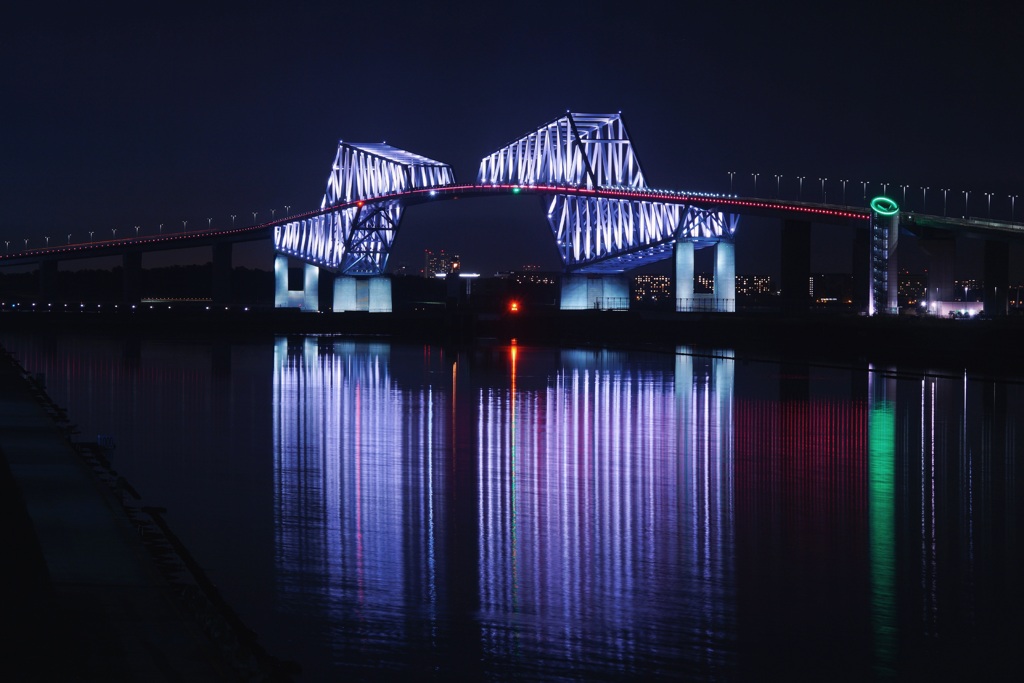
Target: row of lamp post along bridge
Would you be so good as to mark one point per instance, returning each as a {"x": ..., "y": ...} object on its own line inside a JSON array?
[
  {"x": 160, "y": 228},
  {"x": 885, "y": 187},
  {"x": 778, "y": 184}
]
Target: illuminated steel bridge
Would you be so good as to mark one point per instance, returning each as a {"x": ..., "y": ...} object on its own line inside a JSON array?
[{"x": 604, "y": 217}]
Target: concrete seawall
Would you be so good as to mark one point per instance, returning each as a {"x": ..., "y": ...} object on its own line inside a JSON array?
[{"x": 96, "y": 587}]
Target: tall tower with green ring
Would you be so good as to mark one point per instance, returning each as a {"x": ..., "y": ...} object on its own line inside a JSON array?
[{"x": 885, "y": 232}]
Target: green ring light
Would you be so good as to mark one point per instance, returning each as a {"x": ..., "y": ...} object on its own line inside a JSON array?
[{"x": 884, "y": 206}]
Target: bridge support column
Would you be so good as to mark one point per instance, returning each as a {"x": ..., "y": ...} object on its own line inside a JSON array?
[
  {"x": 861, "y": 269},
  {"x": 941, "y": 252},
  {"x": 310, "y": 288},
  {"x": 281, "y": 281},
  {"x": 48, "y": 281},
  {"x": 997, "y": 277},
  {"x": 725, "y": 277},
  {"x": 683, "y": 251},
  {"x": 362, "y": 294},
  {"x": 222, "y": 294},
  {"x": 131, "y": 276},
  {"x": 796, "y": 264},
  {"x": 604, "y": 292}
]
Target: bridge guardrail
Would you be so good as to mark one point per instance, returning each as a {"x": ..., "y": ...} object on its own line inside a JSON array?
[
  {"x": 601, "y": 303},
  {"x": 705, "y": 305}
]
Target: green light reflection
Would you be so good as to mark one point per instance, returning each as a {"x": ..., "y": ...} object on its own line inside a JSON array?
[{"x": 882, "y": 526}]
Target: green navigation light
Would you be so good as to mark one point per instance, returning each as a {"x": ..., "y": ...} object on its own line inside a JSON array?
[
  {"x": 515, "y": 190},
  {"x": 884, "y": 206}
]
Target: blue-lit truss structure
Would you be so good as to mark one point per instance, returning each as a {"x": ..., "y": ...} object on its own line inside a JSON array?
[
  {"x": 598, "y": 234},
  {"x": 357, "y": 240},
  {"x": 586, "y": 155}
]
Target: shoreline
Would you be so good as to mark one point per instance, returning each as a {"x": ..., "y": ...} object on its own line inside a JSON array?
[
  {"x": 988, "y": 346},
  {"x": 96, "y": 576}
]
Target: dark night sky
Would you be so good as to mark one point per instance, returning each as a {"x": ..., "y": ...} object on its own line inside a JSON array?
[{"x": 116, "y": 117}]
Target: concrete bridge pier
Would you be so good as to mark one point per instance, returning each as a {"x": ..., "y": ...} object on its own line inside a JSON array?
[
  {"x": 372, "y": 294},
  {"x": 941, "y": 253},
  {"x": 604, "y": 292},
  {"x": 796, "y": 265},
  {"x": 307, "y": 298},
  {"x": 861, "y": 268},
  {"x": 723, "y": 296},
  {"x": 131, "y": 276},
  {"x": 325, "y": 291},
  {"x": 49, "y": 284},
  {"x": 222, "y": 294},
  {"x": 997, "y": 277},
  {"x": 280, "y": 281},
  {"x": 725, "y": 277},
  {"x": 310, "y": 288}
]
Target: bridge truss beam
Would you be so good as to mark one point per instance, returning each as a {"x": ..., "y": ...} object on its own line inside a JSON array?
[
  {"x": 598, "y": 234},
  {"x": 357, "y": 240}
]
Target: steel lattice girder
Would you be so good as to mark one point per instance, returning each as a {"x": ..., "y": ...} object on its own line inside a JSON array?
[
  {"x": 368, "y": 170},
  {"x": 591, "y": 150},
  {"x": 357, "y": 240},
  {"x": 597, "y": 234}
]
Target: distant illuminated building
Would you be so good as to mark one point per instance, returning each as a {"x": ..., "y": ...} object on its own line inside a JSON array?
[
  {"x": 652, "y": 288},
  {"x": 831, "y": 288},
  {"x": 530, "y": 268},
  {"x": 913, "y": 288},
  {"x": 967, "y": 290},
  {"x": 533, "y": 277},
  {"x": 440, "y": 263},
  {"x": 751, "y": 285},
  {"x": 704, "y": 283}
]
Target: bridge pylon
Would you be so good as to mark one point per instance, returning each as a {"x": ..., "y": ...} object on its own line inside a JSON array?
[
  {"x": 601, "y": 236},
  {"x": 356, "y": 239}
]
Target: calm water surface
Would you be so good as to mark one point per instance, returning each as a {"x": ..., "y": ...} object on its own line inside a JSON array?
[{"x": 543, "y": 514}]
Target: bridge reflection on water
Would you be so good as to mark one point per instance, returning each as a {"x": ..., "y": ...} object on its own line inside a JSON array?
[
  {"x": 509, "y": 512},
  {"x": 569, "y": 520},
  {"x": 596, "y": 514}
]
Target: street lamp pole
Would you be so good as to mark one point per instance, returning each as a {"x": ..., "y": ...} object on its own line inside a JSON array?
[
  {"x": 113, "y": 232},
  {"x": 844, "y": 189},
  {"x": 273, "y": 212},
  {"x": 885, "y": 187},
  {"x": 287, "y": 208},
  {"x": 823, "y": 188},
  {"x": 209, "y": 221},
  {"x": 944, "y": 191},
  {"x": 233, "y": 219},
  {"x": 160, "y": 229},
  {"x": 69, "y": 238},
  {"x": 989, "y": 195},
  {"x": 90, "y": 235},
  {"x": 864, "y": 186},
  {"x": 254, "y": 218},
  {"x": 731, "y": 174},
  {"x": 924, "y": 199},
  {"x": 778, "y": 179},
  {"x": 1013, "y": 199},
  {"x": 967, "y": 198},
  {"x": 904, "y": 194},
  {"x": 136, "y": 232},
  {"x": 800, "y": 190},
  {"x": 755, "y": 182},
  {"x": 184, "y": 226}
]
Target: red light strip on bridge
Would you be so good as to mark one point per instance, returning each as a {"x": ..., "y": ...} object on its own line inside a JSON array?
[{"x": 452, "y": 192}]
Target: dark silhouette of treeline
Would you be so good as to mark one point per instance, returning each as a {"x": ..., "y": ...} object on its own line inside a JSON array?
[{"x": 249, "y": 286}]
